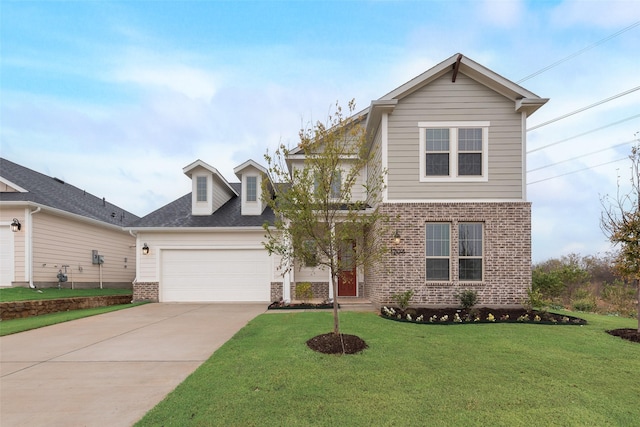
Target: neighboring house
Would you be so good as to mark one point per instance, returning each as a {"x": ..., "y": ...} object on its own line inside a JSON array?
[
  {"x": 453, "y": 143},
  {"x": 48, "y": 227}
]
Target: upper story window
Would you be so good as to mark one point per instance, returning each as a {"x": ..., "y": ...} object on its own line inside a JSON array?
[
  {"x": 335, "y": 184},
  {"x": 252, "y": 188},
  {"x": 201, "y": 189},
  {"x": 453, "y": 151}
]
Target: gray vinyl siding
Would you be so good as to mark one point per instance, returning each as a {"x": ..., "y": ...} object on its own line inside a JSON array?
[{"x": 464, "y": 100}]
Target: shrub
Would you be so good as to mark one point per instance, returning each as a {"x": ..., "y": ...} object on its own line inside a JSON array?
[
  {"x": 468, "y": 298},
  {"x": 584, "y": 304},
  {"x": 402, "y": 299},
  {"x": 534, "y": 299},
  {"x": 304, "y": 291}
]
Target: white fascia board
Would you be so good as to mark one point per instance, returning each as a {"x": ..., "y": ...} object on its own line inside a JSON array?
[
  {"x": 13, "y": 185},
  {"x": 248, "y": 163},
  {"x": 193, "y": 229},
  {"x": 59, "y": 212}
]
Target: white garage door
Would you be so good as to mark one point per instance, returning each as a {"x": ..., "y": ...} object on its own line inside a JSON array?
[
  {"x": 215, "y": 275},
  {"x": 6, "y": 256}
]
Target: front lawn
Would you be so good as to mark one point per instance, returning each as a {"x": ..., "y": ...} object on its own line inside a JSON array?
[
  {"x": 13, "y": 326},
  {"x": 26, "y": 294},
  {"x": 412, "y": 374}
]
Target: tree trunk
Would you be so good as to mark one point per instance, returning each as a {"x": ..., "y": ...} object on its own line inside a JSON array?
[{"x": 336, "y": 319}]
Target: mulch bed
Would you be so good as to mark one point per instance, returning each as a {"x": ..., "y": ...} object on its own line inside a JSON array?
[
  {"x": 447, "y": 315},
  {"x": 282, "y": 306},
  {"x": 626, "y": 334},
  {"x": 337, "y": 344}
]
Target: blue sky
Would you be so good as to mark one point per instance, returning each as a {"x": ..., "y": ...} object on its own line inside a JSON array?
[{"x": 117, "y": 97}]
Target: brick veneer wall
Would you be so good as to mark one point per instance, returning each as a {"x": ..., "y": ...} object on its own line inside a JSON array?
[
  {"x": 276, "y": 291},
  {"x": 507, "y": 254},
  {"x": 146, "y": 291}
]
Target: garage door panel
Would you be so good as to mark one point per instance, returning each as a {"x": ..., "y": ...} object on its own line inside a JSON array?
[{"x": 215, "y": 275}]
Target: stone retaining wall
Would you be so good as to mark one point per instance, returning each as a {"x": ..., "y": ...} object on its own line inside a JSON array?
[{"x": 21, "y": 309}]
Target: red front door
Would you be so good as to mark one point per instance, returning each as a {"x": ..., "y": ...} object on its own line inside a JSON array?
[{"x": 347, "y": 277}]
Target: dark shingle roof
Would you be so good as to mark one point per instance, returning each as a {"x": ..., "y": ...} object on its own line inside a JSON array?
[
  {"x": 178, "y": 214},
  {"x": 55, "y": 193}
]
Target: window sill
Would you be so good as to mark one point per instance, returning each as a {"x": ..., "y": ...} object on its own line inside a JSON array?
[{"x": 454, "y": 179}]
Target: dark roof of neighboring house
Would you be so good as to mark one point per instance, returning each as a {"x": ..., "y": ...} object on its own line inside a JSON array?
[
  {"x": 55, "y": 193},
  {"x": 178, "y": 214}
]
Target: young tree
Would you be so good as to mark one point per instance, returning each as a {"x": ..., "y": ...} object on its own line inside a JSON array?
[
  {"x": 316, "y": 211},
  {"x": 620, "y": 221}
]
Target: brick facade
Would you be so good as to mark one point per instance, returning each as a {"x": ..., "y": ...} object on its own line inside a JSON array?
[
  {"x": 146, "y": 291},
  {"x": 507, "y": 254}
]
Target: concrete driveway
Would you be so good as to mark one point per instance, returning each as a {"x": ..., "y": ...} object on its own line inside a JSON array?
[{"x": 109, "y": 370}]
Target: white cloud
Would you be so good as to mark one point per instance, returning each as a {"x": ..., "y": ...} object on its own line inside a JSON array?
[
  {"x": 603, "y": 14},
  {"x": 503, "y": 14}
]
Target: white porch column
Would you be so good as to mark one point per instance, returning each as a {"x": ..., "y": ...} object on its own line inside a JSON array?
[
  {"x": 286, "y": 285},
  {"x": 333, "y": 238},
  {"x": 288, "y": 276}
]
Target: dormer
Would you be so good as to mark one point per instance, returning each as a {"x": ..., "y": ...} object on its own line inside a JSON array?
[
  {"x": 209, "y": 189},
  {"x": 251, "y": 175}
]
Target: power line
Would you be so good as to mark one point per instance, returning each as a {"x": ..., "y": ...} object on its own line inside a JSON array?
[
  {"x": 583, "y": 134},
  {"x": 576, "y": 171},
  {"x": 580, "y": 52},
  {"x": 585, "y": 108},
  {"x": 583, "y": 155}
]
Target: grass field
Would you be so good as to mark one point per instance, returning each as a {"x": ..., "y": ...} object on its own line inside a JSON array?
[
  {"x": 13, "y": 326},
  {"x": 25, "y": 294},
  {"x": 411, "y": 374}
]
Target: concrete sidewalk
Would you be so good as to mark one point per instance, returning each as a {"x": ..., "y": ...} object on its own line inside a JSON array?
[{"x": 109, "y": 370}]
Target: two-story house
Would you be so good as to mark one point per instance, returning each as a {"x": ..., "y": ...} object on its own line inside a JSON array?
[{"x": 453, "y": 143}]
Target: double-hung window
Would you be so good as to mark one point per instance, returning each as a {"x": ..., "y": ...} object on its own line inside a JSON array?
[
  {"x": 252, "y": 188},
  {"x": 438, "y": 244},
  {"x": 335, "y": 185},
  {"x": 470, "y": 251},
  {"x": 453, "y": 151}
]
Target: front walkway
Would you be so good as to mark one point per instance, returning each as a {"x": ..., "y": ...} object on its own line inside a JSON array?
[{"x": 109, "y": 370}]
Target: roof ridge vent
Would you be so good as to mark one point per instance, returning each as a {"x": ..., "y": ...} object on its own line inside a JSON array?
[{"x": 58, "y": 180}]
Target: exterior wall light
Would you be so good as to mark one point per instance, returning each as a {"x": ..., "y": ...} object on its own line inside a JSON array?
[
  {"x": 396, "y": 237},
  {"x": 145, "y": 249},
  {"x": 15, "y": 225}
]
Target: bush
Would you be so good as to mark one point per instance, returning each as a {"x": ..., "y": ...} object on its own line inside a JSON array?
[
  {"x": 534, "y": 299},
  {"x": 402, "y": 299},
  {"x": 584, "y": 304},
  {"x": 304, "y": 291},
  {"x": 468, "y": 298},
  {"x": 621, "y": 297}
]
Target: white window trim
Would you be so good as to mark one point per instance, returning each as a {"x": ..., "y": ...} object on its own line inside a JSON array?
[{"x": 453, "y": 151}]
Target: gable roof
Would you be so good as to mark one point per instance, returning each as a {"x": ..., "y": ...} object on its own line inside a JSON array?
[
  {"x": 216, "y": 175},
  {"x": 177, "y": 214},
  {"x": 238, "y": 169},
  {"x": 524, "y": 100},
  {"x": 41, "y": 190}
]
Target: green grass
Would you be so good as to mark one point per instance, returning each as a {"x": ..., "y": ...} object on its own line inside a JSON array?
[
  {"x": 13, "y": 326},
  {"x": 436, "y": 375},
  {"x": 25, "y": 294}
]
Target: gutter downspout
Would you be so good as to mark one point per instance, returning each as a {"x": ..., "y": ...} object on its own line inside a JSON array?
[
  {"x": 30, "y": 229},
  {"x": 135, "y": 278}
]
